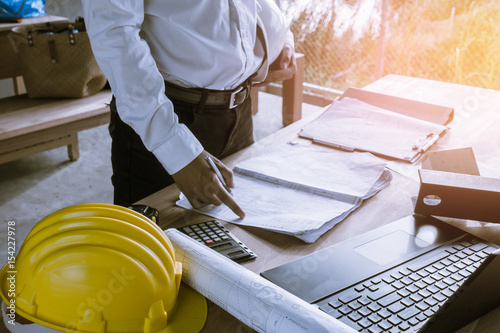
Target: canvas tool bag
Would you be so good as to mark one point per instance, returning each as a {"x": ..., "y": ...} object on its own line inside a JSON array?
[{"x": 56, "y": 60}]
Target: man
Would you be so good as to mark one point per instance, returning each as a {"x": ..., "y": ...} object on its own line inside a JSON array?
[{"x": 180, "y": 72}]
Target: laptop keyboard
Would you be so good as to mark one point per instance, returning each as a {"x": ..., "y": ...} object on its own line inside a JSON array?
[{"x": 402, "y": 299}]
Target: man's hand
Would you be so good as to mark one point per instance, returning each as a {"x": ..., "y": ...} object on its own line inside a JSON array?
[
  {"x": 283, "y": 68},
  {"x": 201, "y": 186}
]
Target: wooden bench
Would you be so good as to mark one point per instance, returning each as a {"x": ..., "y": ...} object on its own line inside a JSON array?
[{"x": 30, "y": 126}]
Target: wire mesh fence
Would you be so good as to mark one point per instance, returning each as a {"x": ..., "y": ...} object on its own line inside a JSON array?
[{"x": 354, "y": 42}]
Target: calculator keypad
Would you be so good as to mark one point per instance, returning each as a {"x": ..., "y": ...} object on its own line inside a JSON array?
[
  {"x": 217, "y": 237},
  {"x": 206, "y": 232}
]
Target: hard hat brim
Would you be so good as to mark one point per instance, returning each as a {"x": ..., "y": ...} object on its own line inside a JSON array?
[
  {"x": 190, "y": 313},
  {"x": 188, "y": 316}
]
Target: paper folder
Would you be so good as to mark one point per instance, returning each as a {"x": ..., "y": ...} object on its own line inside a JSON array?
[{"x": 389, "y": 126}]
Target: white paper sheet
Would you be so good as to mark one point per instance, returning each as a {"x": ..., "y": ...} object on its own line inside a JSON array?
[
  {"x": 354, "y": 124},
  {"x": 319, "y": 167},
  {"x": 296, "y": 190},
  {"x": 250, "y": 298}
]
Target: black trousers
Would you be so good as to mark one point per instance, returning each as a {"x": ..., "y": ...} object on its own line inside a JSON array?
[{"x": 136, "y": 171}]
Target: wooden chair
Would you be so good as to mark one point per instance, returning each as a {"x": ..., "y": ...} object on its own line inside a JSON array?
[{"x": 292, "y": 92}]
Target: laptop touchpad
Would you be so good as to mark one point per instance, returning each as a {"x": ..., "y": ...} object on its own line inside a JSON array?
[{"x": 391, "y": 247}]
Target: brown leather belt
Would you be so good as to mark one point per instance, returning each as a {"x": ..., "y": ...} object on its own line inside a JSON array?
[{"x": 224, "y": 98}]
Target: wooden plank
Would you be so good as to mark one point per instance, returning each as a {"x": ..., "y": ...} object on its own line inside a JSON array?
[
  {"x": 20, "y": 115},
  {"x": 34, "y": 149},
  {"x": 313, "y": 96},
  {"x": 32, "y": 20},
  {"x": 52, "y": 133}
]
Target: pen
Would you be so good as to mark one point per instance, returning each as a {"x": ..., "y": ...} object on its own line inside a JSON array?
[
  {"x": 429, "y": 144},
  {"x": 333, "y": 145},
  {"x": 214, "y": 168}
]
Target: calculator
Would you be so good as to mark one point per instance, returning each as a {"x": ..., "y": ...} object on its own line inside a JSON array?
[{"x": 214, "y": 235}]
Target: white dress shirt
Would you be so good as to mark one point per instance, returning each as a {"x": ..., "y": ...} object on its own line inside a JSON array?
[{"x": 192, "y": 43}]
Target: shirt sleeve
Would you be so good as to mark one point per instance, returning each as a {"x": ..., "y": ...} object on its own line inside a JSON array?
[
  {"x": 275, "y": 28},
  {"x": 125, "y": 58}
]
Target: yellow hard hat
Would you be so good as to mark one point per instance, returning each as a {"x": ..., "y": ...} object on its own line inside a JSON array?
[
  {"x": 105, "y": 210},
  {"x": 102, "y": 268}
]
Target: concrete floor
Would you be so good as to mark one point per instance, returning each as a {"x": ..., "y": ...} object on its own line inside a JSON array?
[{"x": 35, "y": 186}]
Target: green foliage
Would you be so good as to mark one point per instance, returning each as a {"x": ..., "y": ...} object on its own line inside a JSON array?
[{"x": 453, "y": 41}]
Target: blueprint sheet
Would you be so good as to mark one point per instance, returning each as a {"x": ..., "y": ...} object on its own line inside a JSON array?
[
  {"x": 301, "y": 191},
  {"x": 250, "y": 298}
]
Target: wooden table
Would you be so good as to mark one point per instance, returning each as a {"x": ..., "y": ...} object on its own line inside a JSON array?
[{"x": 477, "y": 115}]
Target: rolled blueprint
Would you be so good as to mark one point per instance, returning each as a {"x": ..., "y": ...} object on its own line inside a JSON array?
[{"x": 250, "y": 298}]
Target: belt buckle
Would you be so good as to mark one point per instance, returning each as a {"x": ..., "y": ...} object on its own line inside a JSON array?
[{"x": 232, "y": 98}]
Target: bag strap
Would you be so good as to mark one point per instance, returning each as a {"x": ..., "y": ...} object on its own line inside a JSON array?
[
  {"x": 70, "y": 29},
  {"x": 71, "y": 35},
  {"x": 52, "y": 51}
]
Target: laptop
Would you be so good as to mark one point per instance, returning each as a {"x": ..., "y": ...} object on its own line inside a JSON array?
[{"x": 417, "y": 274}]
